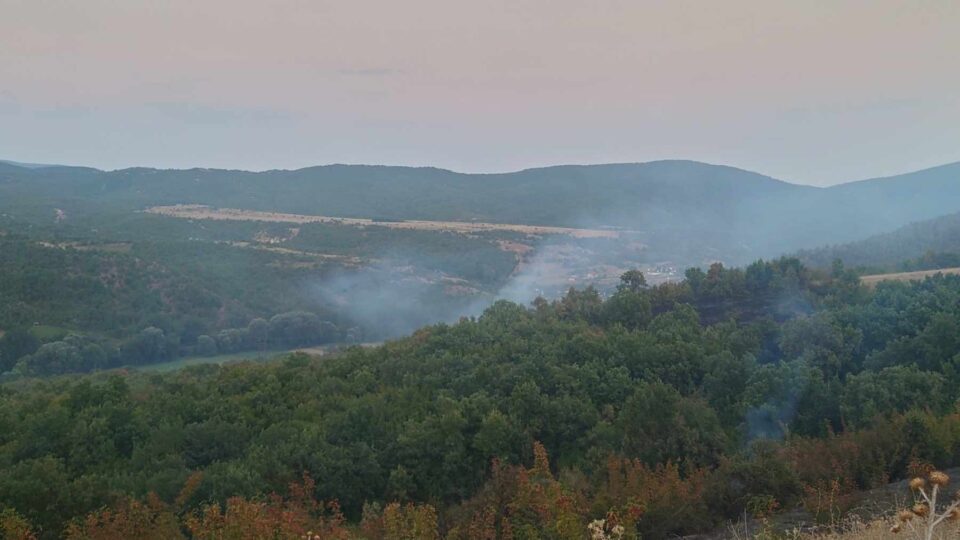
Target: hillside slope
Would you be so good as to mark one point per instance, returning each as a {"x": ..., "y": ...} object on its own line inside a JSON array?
[
  {"x": 933, "y": 239},
  {"x": 712, "y": 211}
]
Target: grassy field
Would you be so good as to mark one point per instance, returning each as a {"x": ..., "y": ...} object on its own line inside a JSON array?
[
  {"x": 48, "y": 333},
  {"x": 196, "y": 211},
  {"x": 180, "y": 363},
  {"x": 906, "y": 276},
  {"x": 258, "y": 356}
]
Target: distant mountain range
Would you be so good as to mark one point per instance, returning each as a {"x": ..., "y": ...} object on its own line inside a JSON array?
[{"x": 686, "y": 210}]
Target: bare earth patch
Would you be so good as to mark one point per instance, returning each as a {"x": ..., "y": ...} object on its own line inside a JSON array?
[
  {"x": 109, "y": 247},
  {"x": 197, "y": 211},
  {"x": 288, "y": 251}
]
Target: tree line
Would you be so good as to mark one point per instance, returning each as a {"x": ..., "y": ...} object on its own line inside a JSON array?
[{"x": 22, "y": 353}]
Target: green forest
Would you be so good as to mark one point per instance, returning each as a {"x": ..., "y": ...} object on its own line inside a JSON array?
[
  {"x": 74, "y": 310},
  {"x": 164, "y": 289},
  {"x": 922, "y": 245},
  {"x": 653, "y": 412}
]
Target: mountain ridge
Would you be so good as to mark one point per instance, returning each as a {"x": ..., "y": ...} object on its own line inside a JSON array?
[
  {"x": 689, "y": 211},
  {"x": 561, "y": 166}
]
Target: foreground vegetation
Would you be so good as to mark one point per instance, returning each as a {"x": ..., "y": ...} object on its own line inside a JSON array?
[{"x": 662, "y": 410}]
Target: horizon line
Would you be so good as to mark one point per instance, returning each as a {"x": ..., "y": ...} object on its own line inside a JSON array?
[{"x": 37, "y": 166}]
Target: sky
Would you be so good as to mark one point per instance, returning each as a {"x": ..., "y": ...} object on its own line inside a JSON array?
[{"x": 813, "y": 91}]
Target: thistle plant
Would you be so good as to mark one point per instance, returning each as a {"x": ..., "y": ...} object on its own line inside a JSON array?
[
  {"x": 599, "y": 530},
  {"x": 925, "y": 515}
]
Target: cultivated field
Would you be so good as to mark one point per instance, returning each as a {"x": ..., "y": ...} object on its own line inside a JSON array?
[
  {"x": 197, "y": 211},
  {"x": 906, "y": 276}
]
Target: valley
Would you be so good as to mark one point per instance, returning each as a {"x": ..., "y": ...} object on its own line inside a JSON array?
[
  {"x": 204, "y": 252},
  {"x": 629, "y": 349},
  {"x": 433, "y": 270}
]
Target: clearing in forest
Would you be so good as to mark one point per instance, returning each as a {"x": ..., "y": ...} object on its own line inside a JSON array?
[
  {"x": 919, "y": 275},
  {"x": 197, "y": 211}
]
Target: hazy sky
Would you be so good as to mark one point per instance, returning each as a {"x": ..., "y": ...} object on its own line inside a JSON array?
[{"x": 813, "y": 91}]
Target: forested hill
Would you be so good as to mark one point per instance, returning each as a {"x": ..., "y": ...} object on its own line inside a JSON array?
[
  {"x": 559, "y": 195},
  {"x": 728, "y": 213},
  {"x": 640, "y": 409},
  {"x": 923, "y": 245}
]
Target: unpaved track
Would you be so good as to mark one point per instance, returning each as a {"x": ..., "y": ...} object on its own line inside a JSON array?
[{"x": 196, "y": 211}]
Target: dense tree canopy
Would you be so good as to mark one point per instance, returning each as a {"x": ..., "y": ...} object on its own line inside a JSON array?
[{"x": 725, "y": 392}]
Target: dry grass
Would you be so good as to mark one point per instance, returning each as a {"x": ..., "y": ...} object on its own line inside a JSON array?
[
  {"x": 932, "y": 515},
  {"x": 878, "y": 530},
  {"x": 107, "y": 247},
  {"x": 196, "y": 211},
  {"x": 851, "y": 529},
  {"x": 919, "y": 275},
  {"x": 345, "y": 259},
  {"x": 874, "y": 530}
]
